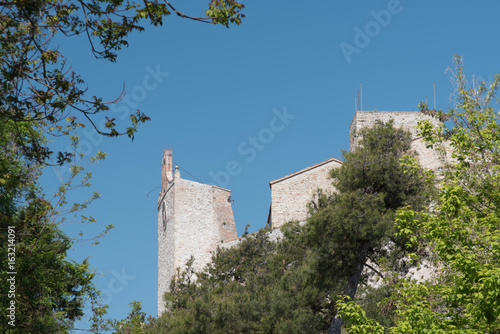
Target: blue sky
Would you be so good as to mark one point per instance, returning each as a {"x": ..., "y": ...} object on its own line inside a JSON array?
[{"x": 209, "y": 90}]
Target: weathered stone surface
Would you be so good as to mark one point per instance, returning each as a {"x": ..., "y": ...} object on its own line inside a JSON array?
[
  {"x": 193, "y": 219},
  {"x": 407, "y": 120},
  {"x": 291, "y": 194}
]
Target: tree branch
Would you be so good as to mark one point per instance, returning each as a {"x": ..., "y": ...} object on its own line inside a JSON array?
[
  {"x": 375, "y": 270},
  {"x": 200, "y": 19}
]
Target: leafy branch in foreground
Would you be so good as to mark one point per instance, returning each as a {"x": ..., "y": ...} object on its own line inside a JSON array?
[
  {"x": 50, "y": 290},
  {"x": 42, "y": 97},
  {"x": 37, "y": 83}
]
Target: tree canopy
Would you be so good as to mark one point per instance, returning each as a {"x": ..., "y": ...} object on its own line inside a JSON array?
[
  {"x": 37, "y": 83},
  {"x": 354, "y": 230},
  {"x": 461, "y": 227},
  {"x": 42, "y": 98}
]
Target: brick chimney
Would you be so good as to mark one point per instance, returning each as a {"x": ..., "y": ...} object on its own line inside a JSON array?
[{"x": 166, "y": 168}]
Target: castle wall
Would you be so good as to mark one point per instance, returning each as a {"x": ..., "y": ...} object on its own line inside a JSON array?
[
  {"x": 166, "y": 242},
  {"x": 408, "y": 120},
  {"x": 196, "y": 226},
  {"x": 291, "y": 194},
  {"x": 224, "y": 213},
  {"x": 193, "y": 219}
]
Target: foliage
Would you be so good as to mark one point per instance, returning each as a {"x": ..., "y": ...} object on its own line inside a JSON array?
[
  {"x": 462, "y": 227},
  {"x": 259, "y": 286},
  {"x": 46, "y": 290},
  {"x": 37, "y": 83},
  {"x": 354, "y": 228},
  {"x": 359, "y": 322},
  {"x": 135, "y": 321},
  {"x": 41, "y": 97}
]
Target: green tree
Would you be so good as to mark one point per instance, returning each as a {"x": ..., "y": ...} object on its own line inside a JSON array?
[
  {"x": 461, "y": 228},
  {"x": 38, "y": 87},
  {"x": 135, "y": 321},
  {"x": 40, "y": 98},
  {"x": 354, "y": 228},
  {"x": 259, "y": 286},
  {"x": 42, "y": 291}
]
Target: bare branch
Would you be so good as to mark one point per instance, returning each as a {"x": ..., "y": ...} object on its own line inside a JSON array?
[
  {"x": 375, "y": 270},
  {"x": 200, "y": 19}
]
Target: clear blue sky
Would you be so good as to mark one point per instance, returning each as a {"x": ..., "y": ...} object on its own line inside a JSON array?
[{"x": 213, "y": 88}]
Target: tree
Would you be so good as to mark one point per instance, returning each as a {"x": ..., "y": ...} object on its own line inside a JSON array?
[
  {"x": 258, "y": 286},
  {"x": 44, "y": 292},
  {"x": 461, "y": 228},
  {"x": 354, "y": 229},
  {"x": 40, "y": 97},
  {"x": 135, "y": 321},
  {"x": 37, "y": 84}
]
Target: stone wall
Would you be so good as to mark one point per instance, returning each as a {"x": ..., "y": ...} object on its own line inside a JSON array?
[
  {"x": 193, "y": 219},
  {"x": 166, "y": 236},
  {"x": 166, "y": 242},
  {"x": 408, "y": 120},
  {"x": 224, "y": 213},
  {"x": 291, "y": 194}
]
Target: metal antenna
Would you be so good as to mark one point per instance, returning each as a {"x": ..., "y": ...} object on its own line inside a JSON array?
[{"x": 361, "y": 96}]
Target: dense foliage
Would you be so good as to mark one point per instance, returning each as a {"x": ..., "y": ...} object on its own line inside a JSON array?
[
  {"x": 261, "y": 286},
  {"x": 354, "y": 229},
  {"x": 42, "y": 97},
  {"x": 42, "y": 290},
  {"x": 461, "y": 228}
]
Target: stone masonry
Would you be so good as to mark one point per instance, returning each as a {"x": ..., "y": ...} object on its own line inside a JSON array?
[
  {"x": 193, "y": 219},
  {"x": 291, "y": 194},
  {"x": 407, "y": 120}
]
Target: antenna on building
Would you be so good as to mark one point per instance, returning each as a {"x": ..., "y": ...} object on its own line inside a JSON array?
[
  {"x": 435, "y": 108},
  {"x": 360, "y": 95}
]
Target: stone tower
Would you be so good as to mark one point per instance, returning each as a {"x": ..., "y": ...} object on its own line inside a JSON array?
[
  {"x": 291, "y": 193},
  {"x": 193, "y": 219},
  {"x": 407, "y": 120}
]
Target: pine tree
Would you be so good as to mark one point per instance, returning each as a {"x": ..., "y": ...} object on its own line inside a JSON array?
[{"x": 353, "y": 230}]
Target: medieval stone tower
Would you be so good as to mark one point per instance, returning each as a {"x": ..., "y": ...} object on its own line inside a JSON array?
[
  {"x": 291, "y": 193},
  {"x": 407, "y": 120},
  {"x": 193, "y": 219}
]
